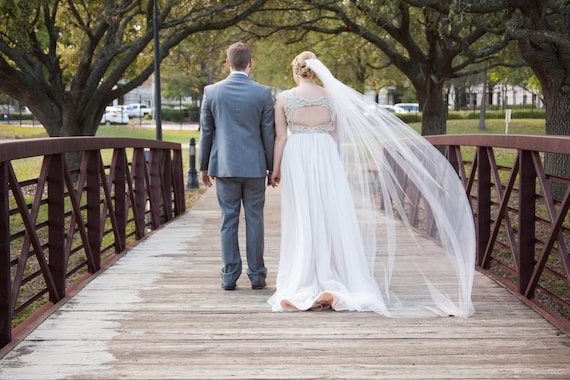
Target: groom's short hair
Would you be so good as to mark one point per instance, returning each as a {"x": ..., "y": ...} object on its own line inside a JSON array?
[{"x": 239, "y": 55}]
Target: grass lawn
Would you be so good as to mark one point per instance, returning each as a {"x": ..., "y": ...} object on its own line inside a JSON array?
[
  {"x": 15, "y": 131},
  {"x": 171, "y": 135},
  {"x": 494, "y": 126},
  {"x": 464, "y": 126}
]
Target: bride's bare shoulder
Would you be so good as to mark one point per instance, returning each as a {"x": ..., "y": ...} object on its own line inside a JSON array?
[{"x": 310, "y": 92}]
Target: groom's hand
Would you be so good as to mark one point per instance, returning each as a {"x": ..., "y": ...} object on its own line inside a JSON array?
[{"x": 206, "y": 179}]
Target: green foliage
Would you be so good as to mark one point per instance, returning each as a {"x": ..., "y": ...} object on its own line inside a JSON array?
[
  {"x": 172, "y": 135},
  {"x": 410, "y": 117},
  {"x": 196, "y": 62},
  {"x": 67, "y": 60},
  {"x": 194, "y": 113},
  {"x": 172, "y": 114}
]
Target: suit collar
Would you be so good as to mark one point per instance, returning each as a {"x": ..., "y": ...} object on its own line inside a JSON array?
[{"x": 239, "y": 73}]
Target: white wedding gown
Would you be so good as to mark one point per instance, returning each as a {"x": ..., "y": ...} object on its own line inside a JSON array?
[
  {"x": 374, "y": 219},
  {"x": 322, "y": 257}
]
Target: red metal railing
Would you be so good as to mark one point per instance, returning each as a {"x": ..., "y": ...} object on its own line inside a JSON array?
[
  {"x": 64, "y": 225},
  {"x": 523, "y": 230}
]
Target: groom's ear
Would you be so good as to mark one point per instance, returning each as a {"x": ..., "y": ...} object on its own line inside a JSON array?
[{"x": 228, "y": 64}]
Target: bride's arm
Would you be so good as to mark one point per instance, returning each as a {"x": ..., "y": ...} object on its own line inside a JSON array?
[{"x": 280, "y": 138}]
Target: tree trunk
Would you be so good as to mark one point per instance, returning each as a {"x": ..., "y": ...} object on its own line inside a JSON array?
[
  {"x": 557, "y": 123},
  {"x": 549, "y": 61},
  {"x": 552, "y": 72},
  {"x": 434, "y": 110},
  {"x": 72, "y": 117},
  {"x": 483, "y": 102}
]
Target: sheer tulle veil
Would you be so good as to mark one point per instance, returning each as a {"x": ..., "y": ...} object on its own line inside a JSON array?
[{"x": 415, "y": 219}]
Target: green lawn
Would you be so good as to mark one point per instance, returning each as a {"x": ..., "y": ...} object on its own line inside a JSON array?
[
  {"x": 495, "y": 126},
  {"x": 14, "y": 131},
  {"x": 462, "y": 126},
  {"x": 171, "y": 135}
]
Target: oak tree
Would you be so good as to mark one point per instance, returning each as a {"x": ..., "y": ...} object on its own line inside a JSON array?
[{"x": 66, "y": 59}]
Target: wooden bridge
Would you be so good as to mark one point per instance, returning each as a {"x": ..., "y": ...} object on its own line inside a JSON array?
[{"x": 159, "y": 313}]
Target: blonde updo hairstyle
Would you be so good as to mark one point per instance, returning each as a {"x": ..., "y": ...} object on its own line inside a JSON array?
[{"x": 300, "y": 66}]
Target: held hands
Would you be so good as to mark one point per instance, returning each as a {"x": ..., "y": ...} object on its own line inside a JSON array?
[
  {"x": 273, "y": 179},
  {"x": 206, "y": 179}
]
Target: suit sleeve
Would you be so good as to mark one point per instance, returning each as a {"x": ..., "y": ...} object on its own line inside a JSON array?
[
  {"x": 206, "y": 134},
  {"x": 268, "y": 129}
]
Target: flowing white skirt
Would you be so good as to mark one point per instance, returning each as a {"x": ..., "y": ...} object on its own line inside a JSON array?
[
  {"x": 388, "y": 228},
  {"x": 322, "y": 261}
]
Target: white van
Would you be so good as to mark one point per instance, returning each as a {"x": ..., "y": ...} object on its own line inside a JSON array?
[{"x": 138, "y": 110}]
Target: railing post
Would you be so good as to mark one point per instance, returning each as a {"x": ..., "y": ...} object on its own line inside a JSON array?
[
  {"x": 5, "y": 282},
  {"x": 138, "y": 178},
  {"x": 178, "y": 182},
  {"x": 94, "y": 227},
  {"x": 56, "y": 225},
  {"x": 166, "y": 185},
  {"x": 483, "y": 204},
  {"x": 119, "y": 168},
  {"x": 192, "y": 172},
  {"x": 153, "y": 187},
  {"x": 527, "y": 230}
]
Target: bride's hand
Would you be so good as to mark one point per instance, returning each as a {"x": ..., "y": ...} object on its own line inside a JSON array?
[{"x": 275, "y": 179}]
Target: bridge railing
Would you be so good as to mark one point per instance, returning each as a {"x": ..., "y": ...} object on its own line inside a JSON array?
[
  {"x": 63, "y": 225},
  {"x": 523, "y": 226}
]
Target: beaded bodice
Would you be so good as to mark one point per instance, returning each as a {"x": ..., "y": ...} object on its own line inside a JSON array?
[{"x": 294, "y": 102}]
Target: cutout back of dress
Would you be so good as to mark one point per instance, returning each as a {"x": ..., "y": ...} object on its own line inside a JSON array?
[{"x": 315, "y": 116}]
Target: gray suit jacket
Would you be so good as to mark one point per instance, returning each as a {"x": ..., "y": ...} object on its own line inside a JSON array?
[{"x": 236, "y": 128}]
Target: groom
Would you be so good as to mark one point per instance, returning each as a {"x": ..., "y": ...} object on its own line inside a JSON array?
[{"x": 236, "y": 149}]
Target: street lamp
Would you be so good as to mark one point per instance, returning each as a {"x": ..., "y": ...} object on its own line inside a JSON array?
[
  {"x": 192, "y": 172},
  {"x": 157, "y": 96}
]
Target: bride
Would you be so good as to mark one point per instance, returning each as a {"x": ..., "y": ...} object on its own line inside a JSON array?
[{"x": 374, "y": 218}]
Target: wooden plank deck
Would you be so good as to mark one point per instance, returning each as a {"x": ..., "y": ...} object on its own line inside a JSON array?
[{"x": 159, "y": 313}]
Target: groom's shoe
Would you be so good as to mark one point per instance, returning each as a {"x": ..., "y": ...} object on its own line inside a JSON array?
[
  {"x": 257, "y": 286},
  {"x": 228, "y": 287}
]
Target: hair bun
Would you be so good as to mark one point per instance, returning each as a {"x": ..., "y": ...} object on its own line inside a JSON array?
[{"x": 300, "y": 66}]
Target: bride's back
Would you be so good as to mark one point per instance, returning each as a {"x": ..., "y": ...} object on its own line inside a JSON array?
[{"x": 311, "y": 115}]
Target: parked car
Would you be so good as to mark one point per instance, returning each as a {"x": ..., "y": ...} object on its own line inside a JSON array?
[
  {"x": 114, "y": 115},
  {"x": 388, "y": 108},
  {"x": 407, "y": 107},
  {"x": 138, "y": 110}
]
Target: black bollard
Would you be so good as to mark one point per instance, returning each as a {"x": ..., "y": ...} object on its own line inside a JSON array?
[{"x": 192, "y": 172}]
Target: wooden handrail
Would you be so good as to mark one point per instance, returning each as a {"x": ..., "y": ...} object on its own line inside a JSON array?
[{"x": 62, "y": 226}]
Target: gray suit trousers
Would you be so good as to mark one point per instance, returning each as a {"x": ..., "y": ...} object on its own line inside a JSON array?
[{"x": 232, "y": 192}]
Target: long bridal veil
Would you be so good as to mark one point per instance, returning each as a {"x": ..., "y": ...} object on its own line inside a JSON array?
[{"x": 414, "y": 216}]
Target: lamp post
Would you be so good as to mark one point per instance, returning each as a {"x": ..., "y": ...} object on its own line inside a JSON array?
[
  {"x": 192, "y": 172},
  {"x": 157, "y": 96}
]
